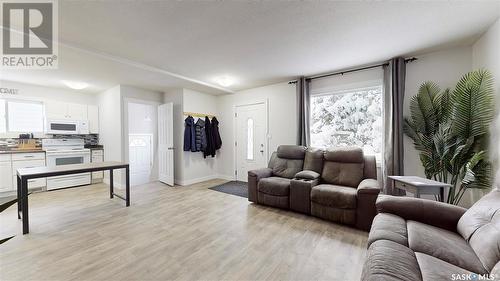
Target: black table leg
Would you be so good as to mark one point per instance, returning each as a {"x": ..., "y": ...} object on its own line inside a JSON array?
[
  {"x": 19, "y": 197},
  {"x": 111, "y": 187},
  {"x": 24, "y": 198},
  {"x": 127, "y": 186},
  {"x": 441, "y": 194}
]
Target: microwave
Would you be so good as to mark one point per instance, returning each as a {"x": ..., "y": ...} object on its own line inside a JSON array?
[{"x": 67, "y": 127}]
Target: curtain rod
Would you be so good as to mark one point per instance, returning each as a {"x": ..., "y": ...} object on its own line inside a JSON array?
[{"x": 351, "y": 70}]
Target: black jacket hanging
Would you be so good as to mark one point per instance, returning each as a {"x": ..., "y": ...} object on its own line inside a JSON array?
[
  {"x": 208, "y": 135},
  {"x": 201, "y": 138},
  {"x": 216, "y": 135},
  {"x": 189, "y": 142}
]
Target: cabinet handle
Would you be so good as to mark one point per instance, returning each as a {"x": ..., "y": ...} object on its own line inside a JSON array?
[{"x": 29, "y": 156}]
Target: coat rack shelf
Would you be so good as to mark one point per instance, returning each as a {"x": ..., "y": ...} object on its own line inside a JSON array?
[{"x": 201, "y": 115}]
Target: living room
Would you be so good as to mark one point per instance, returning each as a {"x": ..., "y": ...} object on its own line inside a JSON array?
[{"x": 250, "y": 141}]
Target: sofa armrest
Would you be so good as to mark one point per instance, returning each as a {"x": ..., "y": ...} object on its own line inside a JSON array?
[
  {"x": 300, "y": 194},
  {"x": 369, "y": 186},
  {"x": 253, "y": 180},
  {"x": 260, "y": 173},
  {"x": 307, "y": 175},
  {"x": 430, "y": 212},
  {"x": 367, "y": 194}
]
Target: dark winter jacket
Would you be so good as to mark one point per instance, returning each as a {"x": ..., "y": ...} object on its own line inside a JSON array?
[
  {"x": 200, "y": 135},
  {"x": 208, "y": 135},
  {"x": 215, "y": 134},
  {"x": 189, "y": 134}
]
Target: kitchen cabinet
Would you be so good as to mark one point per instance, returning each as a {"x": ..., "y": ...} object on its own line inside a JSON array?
[
  {"x": 93, "y": 117},
  {"x": 5, "y": 175},
  {"x": 97, "y": 156},
  {"x": 64, "y": 110},
  {"x": 28, "y": 160}
]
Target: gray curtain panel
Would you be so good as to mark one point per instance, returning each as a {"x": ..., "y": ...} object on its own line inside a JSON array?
[
  {"x": 394, "y": 90},
  {"x": 303, "y": 105}
]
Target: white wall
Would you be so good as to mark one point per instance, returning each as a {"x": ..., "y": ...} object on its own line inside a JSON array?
[
  {"x": 110, "y": 128},
  {"x": 195, "y": 167},
  {"x": 190, "y": 167},
  {"x": 282, "y": 120},
  {"x": 486, "y": 54},
  {"x": 445, "y": 68}
]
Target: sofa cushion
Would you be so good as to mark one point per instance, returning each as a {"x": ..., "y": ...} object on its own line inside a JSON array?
[
  {"x": 442, "y": 244},
  {"x": 313, "y": 159},
  {"x": 337, "y": 196},
  {"x": 388, "y": 227},
  {"x": 343, "y": 216},
  {"x": 286, "y": 168},
  {"x": 435, "y": 269},
  {"x": 274, "y": 186},
  {"x": 291, "y": 151},
  {"x": 480, "y": 225},
  {"x": 390, "y": 261},
  {"x": 348, "y": 174},
  {"x": 344, "y": 155}
]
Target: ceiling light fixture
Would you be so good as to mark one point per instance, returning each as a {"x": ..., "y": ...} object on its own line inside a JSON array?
[
  {"x": 224, "y": 81},
  {"x": 75, "y": 84}
]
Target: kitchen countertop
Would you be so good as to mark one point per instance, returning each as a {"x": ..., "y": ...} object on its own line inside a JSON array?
[{"x": 12, "y": 151}]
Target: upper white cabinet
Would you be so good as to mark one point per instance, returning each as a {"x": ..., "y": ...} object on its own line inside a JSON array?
[
  {"x": 93, "y": 117},
  {"x": 64, "y": 110}
]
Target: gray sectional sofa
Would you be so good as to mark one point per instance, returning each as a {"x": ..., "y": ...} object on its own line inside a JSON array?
[
  {"x": 338, "y": 184},
  {"x": 419, "y": 239}
]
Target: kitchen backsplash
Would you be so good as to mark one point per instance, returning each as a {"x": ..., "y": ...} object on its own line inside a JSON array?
[{"x": 91, "y": 139}]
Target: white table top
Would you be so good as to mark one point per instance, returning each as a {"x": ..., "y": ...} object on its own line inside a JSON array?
[
  {"x": 419, "y": 181},
  {"x": 69, "y": 168}
]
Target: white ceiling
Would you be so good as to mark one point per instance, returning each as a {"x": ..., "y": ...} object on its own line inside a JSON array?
[{"x": 158, "y": 44}]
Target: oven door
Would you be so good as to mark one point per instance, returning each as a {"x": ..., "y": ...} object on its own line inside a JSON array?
[
  {"x": 63, "y": 127},
  {"x": 68, "y": 180}
]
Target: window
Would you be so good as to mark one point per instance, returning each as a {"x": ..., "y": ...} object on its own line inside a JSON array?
[
  {"x": 250, "y": 139},
  {"x": 21, "y": 116},
  {"x": 348, "y": 118}
]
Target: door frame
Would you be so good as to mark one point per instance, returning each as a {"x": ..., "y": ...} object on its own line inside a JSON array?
[
  {"x": 265, "y": 102},
  {"x": 125, "y": 129}
]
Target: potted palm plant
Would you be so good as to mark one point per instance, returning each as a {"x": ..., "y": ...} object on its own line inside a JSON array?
[{"x": 450, "y": 129}]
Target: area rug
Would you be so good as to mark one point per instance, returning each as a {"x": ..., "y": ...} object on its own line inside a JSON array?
[{"x": 237, "y": 188}]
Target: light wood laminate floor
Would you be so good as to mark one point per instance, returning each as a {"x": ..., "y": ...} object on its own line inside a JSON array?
[{"x": 184, "y": 233}]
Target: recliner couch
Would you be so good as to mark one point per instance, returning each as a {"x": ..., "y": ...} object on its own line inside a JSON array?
[
  {"x": 419, "y": 239},
  {"x": 335, "y": 184}
]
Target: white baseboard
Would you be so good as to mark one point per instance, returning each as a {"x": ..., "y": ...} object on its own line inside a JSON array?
[{"x": 226, "y": 177}]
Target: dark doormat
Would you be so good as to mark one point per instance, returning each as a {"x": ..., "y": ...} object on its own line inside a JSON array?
[{"x": 237, "y": 188}]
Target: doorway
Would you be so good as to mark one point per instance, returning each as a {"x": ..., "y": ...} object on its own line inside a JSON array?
[
  {"x": 251, "y": 139},
  {"x": 142, "y": 129}
]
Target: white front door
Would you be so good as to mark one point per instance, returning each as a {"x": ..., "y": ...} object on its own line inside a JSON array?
[
  {"x": 166, "y": 143},
  {"x": 251, "y": 139},
  {"x": 140, "y": 157}
]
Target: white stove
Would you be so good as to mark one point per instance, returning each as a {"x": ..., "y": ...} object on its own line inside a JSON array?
[{"x": 65, "y": 152}]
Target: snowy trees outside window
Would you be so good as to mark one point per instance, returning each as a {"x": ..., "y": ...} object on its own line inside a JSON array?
[{"x": 348, "y": 118}]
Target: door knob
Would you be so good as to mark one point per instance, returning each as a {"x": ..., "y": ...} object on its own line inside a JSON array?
[{"x": 170, "y": 148}]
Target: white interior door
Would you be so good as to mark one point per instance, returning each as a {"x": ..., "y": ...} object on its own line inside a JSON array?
[
  {"x": 251, "y": 139},
  {"x": 140, "y": 158},
  {"x": 166, "y": 143}
]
